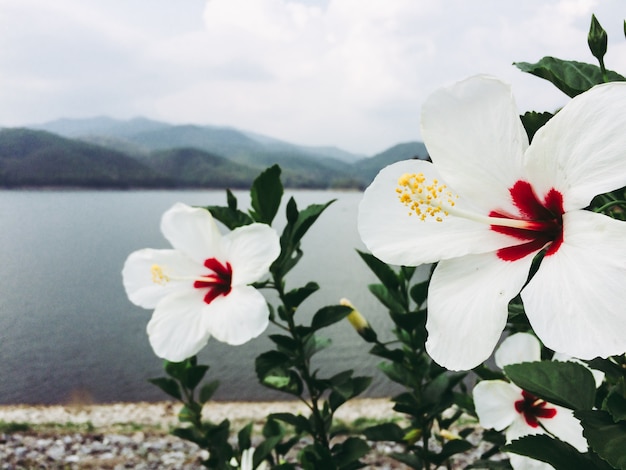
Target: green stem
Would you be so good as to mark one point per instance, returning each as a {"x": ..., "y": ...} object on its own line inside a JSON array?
[{"x": 303, "y": 368}]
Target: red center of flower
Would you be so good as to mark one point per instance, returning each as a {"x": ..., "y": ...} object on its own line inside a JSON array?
[
  {"x": 218, "y": 282},
  {"x": 533, "y": 408},
  {"x": 545, "y": 222}
]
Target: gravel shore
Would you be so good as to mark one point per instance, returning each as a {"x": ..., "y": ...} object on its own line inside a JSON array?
[{"x": 135, "y": 435}]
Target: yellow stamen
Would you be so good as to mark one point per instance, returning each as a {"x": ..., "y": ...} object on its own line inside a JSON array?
[
  {"x": 433, "y": 200},
  {"x": 158, "y": 276},
  {"x": 423, "y": 199}
]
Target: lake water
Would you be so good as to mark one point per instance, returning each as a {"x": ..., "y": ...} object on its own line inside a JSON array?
[{"x": 68, "y": 332}]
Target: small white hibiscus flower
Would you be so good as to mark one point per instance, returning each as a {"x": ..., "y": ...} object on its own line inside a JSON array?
[
  {"x": 503, "y": 405},
  {"x": 247, "y": 459},
  {"x": 200, "y": 288},
  {"x": 489, "y": 202}
]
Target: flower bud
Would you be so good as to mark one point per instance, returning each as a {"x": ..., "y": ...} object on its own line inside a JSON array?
[
  {"x": 413, "y": 436},
  {"x": 597, "y": 39},
  {"x": 359, "y": 323},
  {"x": 450, "y": 436}
]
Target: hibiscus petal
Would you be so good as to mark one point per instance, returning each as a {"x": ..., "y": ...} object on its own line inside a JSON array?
[
  {"x": 575, "y": 302},
  {"x": 251, "y": 250},
  {"x": 468, "y": 301},
  {"x": 580, "y": 151},
  {"x": 137, "y": 275},
  {"x": 517, "y": 348},
  {"x": 178, "y": 329},
  {"x": 238, "y": 317},
  {"x": 395, "y": 237},
  {"x": 495, "y": 403},
  {"x": 520, "y": 462},
  {"x": 520, "y": 428},
  {"x": 192, "y": 231},
  {"x": 567, "y": 428},
  {"x": 474, "y": 135}
]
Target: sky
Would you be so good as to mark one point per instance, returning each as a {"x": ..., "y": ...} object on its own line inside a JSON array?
[{"x": 346, "y": 73}]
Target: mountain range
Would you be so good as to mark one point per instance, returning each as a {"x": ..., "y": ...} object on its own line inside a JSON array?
[{"x": 140, "y": 153}]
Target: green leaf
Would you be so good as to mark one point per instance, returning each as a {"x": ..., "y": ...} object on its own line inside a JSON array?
[
  {"x": 395, "y": 355},
  {"x": 384, "y": 432},
  {"x": 411, "y": 460},
  {"x": 271, "y": 360},
  {"x": 193, "y": 376},
  {"x": 264, "y": 449},
  {"x": 313, "y": 344},
  {"x": 490, "y": 465},
  {"x": 382, "y": 271},
  {"x": 559, "y": 454},
  {"x": 299, "y": 422},
  {"x": 243, "y": 437},
  {"x": 231, "y": 218},
  {"x": 307, "y": 218},
  {"x": 286, "y": 344},
  {"x": 419, "y": 292},
  {"x": 191, "y": 435},
  {"x": 295, "y": 297},
  {"x": 349, "y": 451},
  {"x": 533, "y": 121},
  {"x": 297, "y": 225},
  {"x": 562, "y": 383},
  {"x": 571, "y": 77},
  {"x": 387, "y": 298},
  {"x": 450, "y": 448},
  {"x": 190, "y": 413},
  {"x": 329, "y": 315},
  {"x": 316, "y": 457},
  {"x": 207, "y": 391},
  {"x": 177, "y": 369},
  {"x": 292, "y": 211},
  {"x": 169, "y": 386},
  {"x": 605, "y": 437},
  {"x": 615, "y": 404},
  {"x": 231, "y": 200},
  {"x": 265, "y": 194}
]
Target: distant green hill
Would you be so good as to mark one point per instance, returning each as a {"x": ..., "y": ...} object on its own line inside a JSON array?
[
  {"x": 368, "y": 168},
  {"x": 104, "y": 152},
  {"x": 37, "y": 158},
  {"x": 191, "y": 167}
]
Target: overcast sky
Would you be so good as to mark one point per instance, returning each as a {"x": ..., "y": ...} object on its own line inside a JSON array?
[{"x": 347, "y": 73}]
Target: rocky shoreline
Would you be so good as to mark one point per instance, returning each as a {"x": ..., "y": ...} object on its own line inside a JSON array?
[{"x": 135, "y": 435}]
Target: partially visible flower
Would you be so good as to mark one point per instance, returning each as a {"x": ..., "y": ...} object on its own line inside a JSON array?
[
  {"x": 489, "y": 202},
  {"x": 247, "y": 460},
  {"x": 503, "y": 405},
  {"x": 200, "y": 288},
  {"x": 359, "y": 323}
]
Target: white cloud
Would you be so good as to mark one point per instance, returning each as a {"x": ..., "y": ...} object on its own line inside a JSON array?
[{"x": 351, "y": 73}]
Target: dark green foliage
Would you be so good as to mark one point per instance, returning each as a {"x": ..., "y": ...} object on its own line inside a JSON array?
[
  {"x": 533, "y": 120},
  {"x": 265, "y": 195},
  {"x": 560, "y": 455},
  {"x": 569, "y": 76},
  {"x": 563, "y": 383},
  {"x": 605, "y": 435}
]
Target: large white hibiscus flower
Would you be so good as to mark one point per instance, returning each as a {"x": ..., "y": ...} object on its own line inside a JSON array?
[
  {"x": 504, "y": 406},
  {"x": 489, "y": 202},
  {"x": 200, "y": 288}
]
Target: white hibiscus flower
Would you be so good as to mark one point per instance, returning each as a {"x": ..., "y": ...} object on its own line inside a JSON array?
[
  {"x": 504, "y": 406},
  {"x": 200, "y": 288},
  {"x": 489, "y": 202}
]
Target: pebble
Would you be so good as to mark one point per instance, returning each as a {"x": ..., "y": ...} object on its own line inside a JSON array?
[{"x": 103, "y": 446}]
